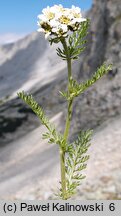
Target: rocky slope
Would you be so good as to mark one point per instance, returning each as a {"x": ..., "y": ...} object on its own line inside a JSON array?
[
  {"x": 33, "y": 66},
  {"x": 103, "y": 100},
  {"x": 30, "y": 61},
  {"x": 30, "y": 164},
  {"x": 29, "y": 65}
]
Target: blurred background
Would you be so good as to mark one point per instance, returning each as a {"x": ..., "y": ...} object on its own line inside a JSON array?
[{"x": 29, "y": 167}]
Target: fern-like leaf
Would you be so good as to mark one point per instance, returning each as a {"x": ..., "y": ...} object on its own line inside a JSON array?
[
  {"x": 77, "y": 40},
  {"x": 52, "y": 135},
  {"x": 76, "y": 161},
  {"x": 76, "y": 89}
]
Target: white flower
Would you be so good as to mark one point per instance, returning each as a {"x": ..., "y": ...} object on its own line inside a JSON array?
[
  {"x": 48, "y": 13},
  {"x": 57, "y": 21},
  {"x": 42, "y": 17},
  {"x": 47, "y": 35},
  {"x": 78, "y": 20},
  {"x": 54, "y": 23},
  {"x": 76, "y": 10},
  {"x": 41, "y": 30},
  {"x": 57, "y": 8},
  {"x": 64, "y": 28}
]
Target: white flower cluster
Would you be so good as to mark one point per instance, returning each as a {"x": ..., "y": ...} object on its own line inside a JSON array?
[{"x": 57, "y": 21}]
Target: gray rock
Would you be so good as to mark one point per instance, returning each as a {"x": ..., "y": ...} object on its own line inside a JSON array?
[{"x": 24, "y": 65}]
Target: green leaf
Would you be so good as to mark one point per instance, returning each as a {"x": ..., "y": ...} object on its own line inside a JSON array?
[
  {"x": 75, "y": 161},
  {"x": 52, "y": 135},
  {"x": 76, "y": 89},
  {"x": 77, "y": 40}
]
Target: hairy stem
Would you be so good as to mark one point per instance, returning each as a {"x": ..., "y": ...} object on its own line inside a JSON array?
[
  {"x": 63, "y": 173},
  {"x": 68, "y": 120},
  {"x": 67, "y": 126}
]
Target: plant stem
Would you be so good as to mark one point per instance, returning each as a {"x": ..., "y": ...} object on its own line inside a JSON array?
[
  {"x": 62, "y": 151},
  {"x": 67, "y": 126},
  {"x": 63, "y": 173},
  {"x": 68, "y": 120}
]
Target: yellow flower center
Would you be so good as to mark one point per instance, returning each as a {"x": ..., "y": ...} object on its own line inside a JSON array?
[
  {"x": 50, "y": 15},
  {"x": 77, "y": 15},
  {"x": 64, "y": 20}
]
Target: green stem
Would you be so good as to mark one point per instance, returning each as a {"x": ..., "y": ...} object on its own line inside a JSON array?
[
  {"x": 68, "y": 120},
  {"x": 63, "y": 173},
  {"x": 67, "y": 126}
]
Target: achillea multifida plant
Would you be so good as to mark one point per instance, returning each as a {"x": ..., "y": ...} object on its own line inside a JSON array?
[{"x": 70, "y": 28}]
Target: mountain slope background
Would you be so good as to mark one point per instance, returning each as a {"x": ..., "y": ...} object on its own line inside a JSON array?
[{"x": 31, "y": 65}]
